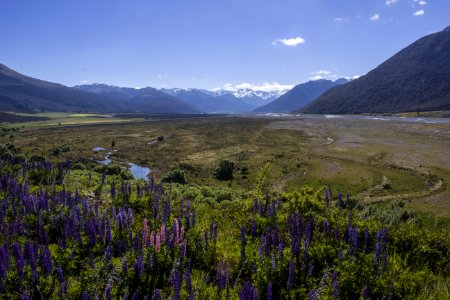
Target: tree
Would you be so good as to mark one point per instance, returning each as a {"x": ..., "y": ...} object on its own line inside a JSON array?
[
  {"x": 175, "y": 176},
  {"x": 224, "y": 170},
  {"x": 113, "y": 143}
]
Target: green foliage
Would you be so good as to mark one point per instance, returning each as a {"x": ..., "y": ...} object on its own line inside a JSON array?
[
  {"x": 175, "y": 176},
  {"x": 417, "y": 260},
  {"x": 224, "y": 170},
  {"x": 263, "y": 180}
]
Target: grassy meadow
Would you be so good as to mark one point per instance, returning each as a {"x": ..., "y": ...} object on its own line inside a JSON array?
[{"x": 351, "y": 156}]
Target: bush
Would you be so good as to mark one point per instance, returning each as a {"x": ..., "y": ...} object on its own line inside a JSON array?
[
  {"x": 175, "y": 176},
  {"x": 224, "y": 170},
  {"x": 78, "y": 166},
  {"x": 244, "y": 169},
  {"x": 56, "y": 151}
]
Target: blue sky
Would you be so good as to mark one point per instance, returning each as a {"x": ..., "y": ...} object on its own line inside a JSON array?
[{"x": 209, "y": 43}]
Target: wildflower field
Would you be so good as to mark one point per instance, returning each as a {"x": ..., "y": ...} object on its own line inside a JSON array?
[{"x": 142, "y": 240}]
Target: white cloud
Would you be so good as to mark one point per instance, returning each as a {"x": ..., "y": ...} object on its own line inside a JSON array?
[
  {"x": 353, "y": 77},
  {"x": 341, "y": 20},
  {"x": 161, "y": 76},
  {"x": 389, "y": 2},
  {"x": 84, "y": 82},
  {"x": 264, "y": 87},
  {"x": 323, "y": 74},
  {"x": 292, "y": 42},
  {"x": 375, "y": 17},
  {"x": 422, "y": 2},
  {"x": 419, "y": 13}
]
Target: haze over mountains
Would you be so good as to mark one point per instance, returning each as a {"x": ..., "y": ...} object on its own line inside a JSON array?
[
  {"x": 416, "y": 78},
  {"x": 299, "y": 96}
]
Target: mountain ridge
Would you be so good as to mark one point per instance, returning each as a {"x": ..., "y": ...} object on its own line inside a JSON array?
[
  {"x": 299, "y": 96},
  {"x": 413, "y": 79}
]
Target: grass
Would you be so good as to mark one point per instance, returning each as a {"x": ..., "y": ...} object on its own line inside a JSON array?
[
  {"x": 64, "y": 119},
  {"x": 300, "y": 152}
]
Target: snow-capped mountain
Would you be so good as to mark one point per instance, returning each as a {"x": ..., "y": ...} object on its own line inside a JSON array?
[
  {"x": 253, "y": 94},
  {"x": 211, "y": 101}
]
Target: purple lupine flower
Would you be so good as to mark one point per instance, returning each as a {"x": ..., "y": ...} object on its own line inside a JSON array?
[
  {"x": 274, "y": 264},
  {"x": 280, "y": 249},
  {"x": 310, "y": 269},
  {"x": 366, "y": 240},
  {"x": 222, "y": 275},
  {"x": 327, "y": 200},
  {"x": 335, "y": 285},
  {"x": 326, "y": 228},
  {"x": 340, "y": 203},
  {"x": 139, "y": 266},
  {"x": 312, "y": 295},
  {"x": 188, "y": 215},
  {"x": 124, "y": 265},
  {"x": 62, "y": 290},
  {"x": 181, "y": 207},
  {"x": 262, "y": 247},
  {"x": 187, "y": 278},
  {"x": 253, "y": 230},
  {"x": 243, "y": 243},
  {"x": 336, "y": 233},
  {"x": 85, "y": 296},
  {"x": 177, "y": 281},
  {"x": 194, "y": 218},
  {"x": 309, "y": 230},
  {"x": 353, "y": 238},
  {"x": 17, "y": 251},
  {"x": 156, "y": 295},
  {"x": 290, "y": 281},
  {"x": 391, "y": 290},
  {"x": 26, "y": 295},
  {"x": 60, "y": 274},
  {"x": 108, "y": 291},
  {"x": 113, "y": 190},
  {"x": 248, "y": 292},
  {"x": 366, "y": 293},
  {"x": 269, "y": 290},
  {"x": 380, "y": 249}
]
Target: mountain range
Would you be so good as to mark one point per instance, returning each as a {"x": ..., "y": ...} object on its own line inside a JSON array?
[
  {"x": 299, "y": 96},
  {"x": 415, "y": 79}
]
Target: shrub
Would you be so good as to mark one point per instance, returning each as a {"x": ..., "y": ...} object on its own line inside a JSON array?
[
  {"x": 224, "y": 170},
  {"x": 175, "y": 176},
  {"x": 78, "y": 166}
]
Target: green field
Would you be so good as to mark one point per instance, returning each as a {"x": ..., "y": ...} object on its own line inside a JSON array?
[
  {"x": 352, "y": 156},
  {"x": 62, "y": 119}
]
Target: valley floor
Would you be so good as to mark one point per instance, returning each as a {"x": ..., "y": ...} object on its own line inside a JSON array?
[{"x": 373, "y": 160}]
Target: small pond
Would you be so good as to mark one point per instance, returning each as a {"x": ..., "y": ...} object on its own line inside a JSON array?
[
  {"x": 98, "y": 148},
  {"x": 139, "y": 172}
]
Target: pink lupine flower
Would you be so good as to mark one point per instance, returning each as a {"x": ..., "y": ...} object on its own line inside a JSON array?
[
  {"x": 163, "y": 233},
  {"x": 152, "y": 239},
  {"x": 158, "y": 242}
]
